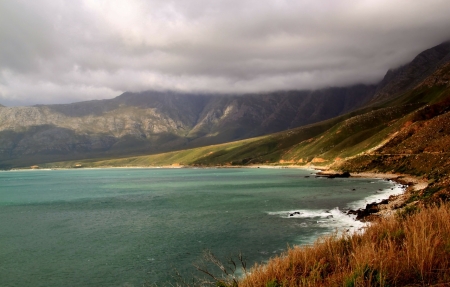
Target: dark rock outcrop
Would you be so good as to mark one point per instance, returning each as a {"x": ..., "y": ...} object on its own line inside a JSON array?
[{"x": 345, "y": 174}]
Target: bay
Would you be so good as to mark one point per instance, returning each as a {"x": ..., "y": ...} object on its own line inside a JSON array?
[{"x": 132, "y": 227}]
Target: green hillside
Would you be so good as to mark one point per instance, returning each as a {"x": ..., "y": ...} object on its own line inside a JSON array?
[{"x": 323, "y": 143}]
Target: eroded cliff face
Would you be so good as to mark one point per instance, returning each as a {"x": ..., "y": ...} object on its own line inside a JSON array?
[{"x": 161, "y": 121}]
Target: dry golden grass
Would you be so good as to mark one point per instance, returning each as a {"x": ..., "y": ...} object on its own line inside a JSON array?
[{"x": 412, "y": 250}]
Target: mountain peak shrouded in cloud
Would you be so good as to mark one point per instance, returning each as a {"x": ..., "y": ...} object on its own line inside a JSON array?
[{"x": 67, "y": 51}]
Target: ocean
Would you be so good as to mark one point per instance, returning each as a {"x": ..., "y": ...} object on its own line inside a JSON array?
[{"x": 138, "y": 227}]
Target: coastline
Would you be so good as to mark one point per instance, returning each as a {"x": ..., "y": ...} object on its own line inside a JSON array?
[
  {"x": 165, "y": 167},
  {"x": 379, "y": 207},
  {"x": 382, "y": 206},
  {"x": 386, "y": 207}
]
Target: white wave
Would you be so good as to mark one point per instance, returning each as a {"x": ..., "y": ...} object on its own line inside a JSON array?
[
  {"x": 377, "y": 196},
  {"x": 334, "y": 218},
  {"x": 302, "y": 213}
]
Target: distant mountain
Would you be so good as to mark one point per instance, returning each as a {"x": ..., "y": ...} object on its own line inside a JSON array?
[
  {"x": 154, "y": 122},
  {"x": 149, "y": 122},
  {"x": 413, "y": 127}
]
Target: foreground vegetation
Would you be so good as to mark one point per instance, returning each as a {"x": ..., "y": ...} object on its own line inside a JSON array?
[{"x": 410, "y": 249}]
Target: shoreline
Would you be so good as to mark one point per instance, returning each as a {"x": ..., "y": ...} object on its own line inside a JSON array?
[
  {"x": 387, "y": 207},
  {"x": 381, "y": 207},
  {"x": 164, "y": 167}
]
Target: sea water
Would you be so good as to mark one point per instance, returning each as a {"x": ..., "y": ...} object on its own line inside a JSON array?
[{"x": 135, "y": 227}]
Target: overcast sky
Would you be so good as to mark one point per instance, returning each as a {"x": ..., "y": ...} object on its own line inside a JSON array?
[{"x": 56, "y": 51}]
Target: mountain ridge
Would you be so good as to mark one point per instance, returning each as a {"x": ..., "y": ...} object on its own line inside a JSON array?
[
  {"x": 405, "y": 77},
  {"x": 153, "y": 122},
  {"x": 162, "y": 121}
]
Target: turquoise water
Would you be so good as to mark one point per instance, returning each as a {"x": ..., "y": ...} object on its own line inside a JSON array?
[{"x": 129, "y": 227}]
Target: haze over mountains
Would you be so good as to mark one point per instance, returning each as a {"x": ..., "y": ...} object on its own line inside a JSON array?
[{"x": 151, "y": 122}]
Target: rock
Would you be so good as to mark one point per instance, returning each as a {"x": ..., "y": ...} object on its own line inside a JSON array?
[
  {"x": 370, "y": 209},
  {"x": 384, "y": 201},
  {"x": 361, "y": 213},
  {"x": 295, "y": 213},
  {"x": 345, "y": 174},
  {"x": 351, "y": 211}
]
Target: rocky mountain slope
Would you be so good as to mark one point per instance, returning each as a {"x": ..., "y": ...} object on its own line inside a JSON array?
[
  {"x": 148, "y": 122},
  {"x": 419, "y": 145},
  {"x": 387, "y": 128},
  {"x": 154, "y": 122},
  {"x": 399, "y": 80}
]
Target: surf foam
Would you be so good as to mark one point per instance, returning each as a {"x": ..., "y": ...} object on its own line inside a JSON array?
[{"x": 335, "y": 219}]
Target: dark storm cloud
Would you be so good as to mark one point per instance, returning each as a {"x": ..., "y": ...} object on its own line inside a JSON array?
[{"x": 55, "y": 51}]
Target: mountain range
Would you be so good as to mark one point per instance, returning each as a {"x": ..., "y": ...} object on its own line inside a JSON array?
[{"x": 310, "y": 126}]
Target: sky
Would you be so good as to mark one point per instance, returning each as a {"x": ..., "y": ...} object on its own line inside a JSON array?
[{"x": 62, "y": 51}]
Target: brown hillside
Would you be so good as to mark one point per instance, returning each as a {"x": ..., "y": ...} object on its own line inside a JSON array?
[{"x": 421, "y": 147}]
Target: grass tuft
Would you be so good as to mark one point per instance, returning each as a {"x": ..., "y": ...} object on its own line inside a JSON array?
[{"x": 398, "y": 251}]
